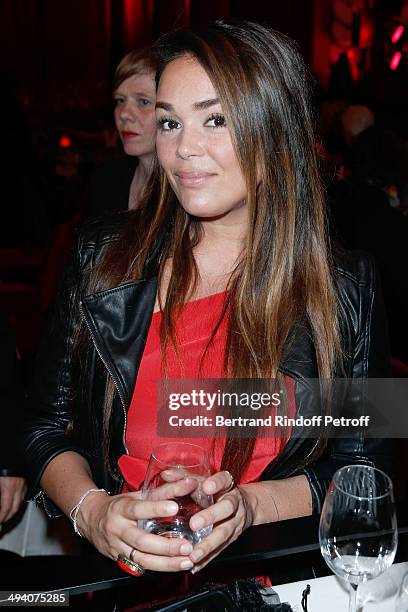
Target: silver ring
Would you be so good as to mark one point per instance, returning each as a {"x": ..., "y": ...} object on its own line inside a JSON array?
[
  {"x": 231, "y": 486},
  {"x": 132, "y": 552}
]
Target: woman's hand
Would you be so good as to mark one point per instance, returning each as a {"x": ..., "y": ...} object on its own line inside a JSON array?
[
  {"x": 230, "y": 515},
  {"x": 12, "y": 492},
  {"x": 110, "y": 523}
]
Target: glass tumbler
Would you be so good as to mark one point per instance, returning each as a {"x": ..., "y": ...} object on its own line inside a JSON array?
[{"x": 176, "y": 472}]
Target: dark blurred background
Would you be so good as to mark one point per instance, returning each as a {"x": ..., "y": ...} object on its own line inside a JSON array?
[{"x": 56, "y": 64}]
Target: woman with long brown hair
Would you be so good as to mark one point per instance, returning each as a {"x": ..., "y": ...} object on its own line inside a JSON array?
[{"x": 226, "y": 270}]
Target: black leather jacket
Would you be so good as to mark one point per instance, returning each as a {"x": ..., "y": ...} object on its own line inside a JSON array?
[{"x": 118, "y": 320}]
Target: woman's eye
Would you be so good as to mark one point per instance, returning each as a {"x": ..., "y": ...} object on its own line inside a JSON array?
[
  {"x": 145, "y": 102},
  {"x": 167, "y": 125},
  {"x": 216, "y": 121},
  {"x": 118, "y": 101}
]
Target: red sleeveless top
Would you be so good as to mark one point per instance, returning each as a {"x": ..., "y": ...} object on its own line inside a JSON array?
[{"x": 193, "y": 330}]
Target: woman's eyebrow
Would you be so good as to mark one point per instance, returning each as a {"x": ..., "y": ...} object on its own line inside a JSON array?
[
  {"x": 164, "y": 106},
  {"x": 196, "y": 106},
  {"x": 205, "y": 104}
]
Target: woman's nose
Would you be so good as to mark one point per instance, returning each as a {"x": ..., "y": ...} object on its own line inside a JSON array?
[
  {"x": 127, "y": 112},
  {"x": 189, "y": 143}
]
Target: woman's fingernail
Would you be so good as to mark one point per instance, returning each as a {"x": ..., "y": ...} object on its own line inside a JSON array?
[
  {"x": 186, "y": 565},
  {"x": 197, "y": 523},
  {"x": 186, "y": 549},
  {"x": 172, "y": 508},
  {"x": 211, "y": 487},
  {"x": 196, "y": 555}
]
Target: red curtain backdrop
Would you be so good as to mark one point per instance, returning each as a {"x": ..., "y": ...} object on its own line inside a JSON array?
[
  {"x": 19, "y": 39},
  {"x": 63, "y": 52},
  {"x": 169, "y": 15},
  {"x": 138, "y": 17},
  {"x": 58, "y": 51},
  {"x": 77, "y": 44}
]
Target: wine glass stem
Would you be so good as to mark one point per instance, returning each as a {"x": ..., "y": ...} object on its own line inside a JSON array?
[{"x": 353, "y": 598}]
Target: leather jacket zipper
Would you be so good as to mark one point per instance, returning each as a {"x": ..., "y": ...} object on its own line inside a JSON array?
[{"x": 111, "y": 374}]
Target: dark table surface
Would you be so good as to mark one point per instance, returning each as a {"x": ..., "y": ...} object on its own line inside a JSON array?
[{"x": 285, "y": 551}]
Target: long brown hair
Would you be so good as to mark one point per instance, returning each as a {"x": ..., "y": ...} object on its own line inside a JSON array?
[{"x": 285, "y": 276}]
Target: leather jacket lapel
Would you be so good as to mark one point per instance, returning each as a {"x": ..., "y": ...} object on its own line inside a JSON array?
[{"x": 118, "y": 320}]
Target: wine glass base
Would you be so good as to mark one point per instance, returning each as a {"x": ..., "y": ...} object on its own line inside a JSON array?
[
  {"x": 177, "y": 530},
  {"x": 172, "y": 534}
]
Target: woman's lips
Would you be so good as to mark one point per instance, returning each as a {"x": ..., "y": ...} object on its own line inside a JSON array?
[
  {"x": 193, "y": 179},
  {"x": 126, "y": 135}
]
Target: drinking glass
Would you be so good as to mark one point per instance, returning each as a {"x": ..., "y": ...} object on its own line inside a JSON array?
[
  {"x": 186, "y": 466},
  {"x": 358, "y": 526}
]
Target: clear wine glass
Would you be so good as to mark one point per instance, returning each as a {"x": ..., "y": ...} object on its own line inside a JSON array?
[
  {"x": 185, "y": 466},
  {"x": 358, "y": 526}
]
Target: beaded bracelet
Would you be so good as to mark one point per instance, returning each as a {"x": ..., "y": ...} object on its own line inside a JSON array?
[{"x": 73, "y": 515}]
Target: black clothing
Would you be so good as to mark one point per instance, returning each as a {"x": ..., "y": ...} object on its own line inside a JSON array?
[
  {"x": 24, "y": 195},
  {"x": 363, "y": 219},
  {"x": 11, "y": 397},
  {"x": 109, "y": 186},
  {"x": 118, "y": 320}
]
